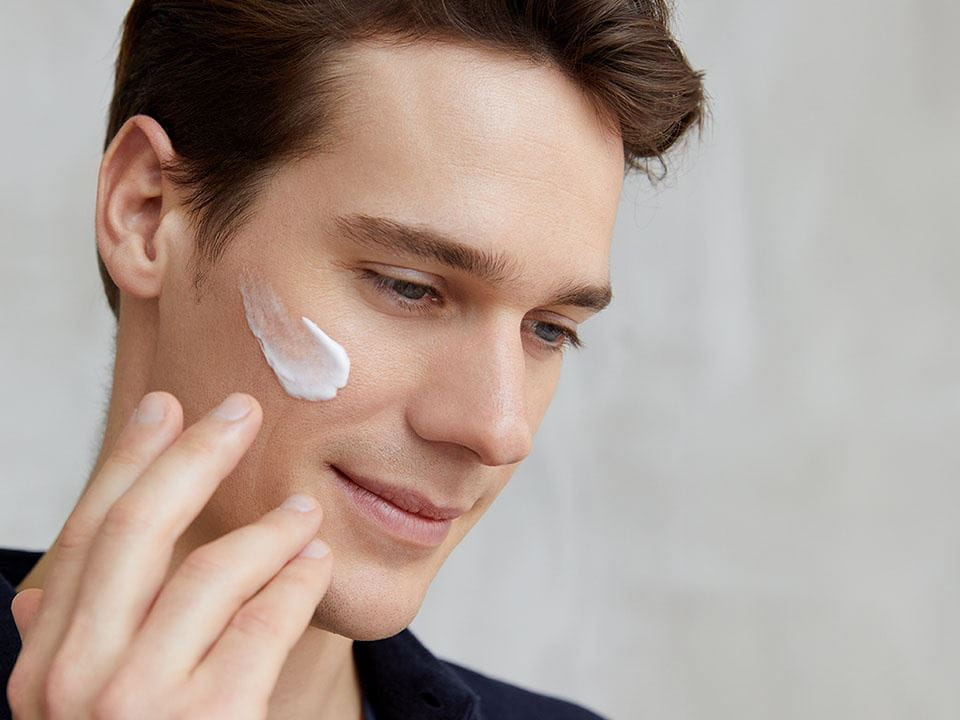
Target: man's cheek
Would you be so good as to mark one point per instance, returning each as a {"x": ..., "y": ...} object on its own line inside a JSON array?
[{"x": 307, "y": 362}]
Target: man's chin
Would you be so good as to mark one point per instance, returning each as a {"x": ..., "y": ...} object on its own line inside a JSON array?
[{"x": 361, "y": 610}]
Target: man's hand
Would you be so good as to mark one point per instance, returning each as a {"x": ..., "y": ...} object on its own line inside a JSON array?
[{"x": 108, "y": 638}]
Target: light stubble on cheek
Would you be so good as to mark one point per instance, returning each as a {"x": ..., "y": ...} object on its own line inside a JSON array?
[{"x": 307, "y": 362}]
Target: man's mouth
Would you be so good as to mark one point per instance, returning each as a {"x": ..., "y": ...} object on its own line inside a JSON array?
[
  {"x": 402, "y": 512},
  {"x": 404, "y": 498}
]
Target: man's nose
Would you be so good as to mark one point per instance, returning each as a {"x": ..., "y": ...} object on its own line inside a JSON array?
[{"x": 475, "y": 397}]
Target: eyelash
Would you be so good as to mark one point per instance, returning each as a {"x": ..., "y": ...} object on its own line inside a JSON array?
[{"x": 388, "y": 286}]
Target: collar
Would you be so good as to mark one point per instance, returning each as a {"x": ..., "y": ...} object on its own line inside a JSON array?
[{"x": 405, "y": 680}]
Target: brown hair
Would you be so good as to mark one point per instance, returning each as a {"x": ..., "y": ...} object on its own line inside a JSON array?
[{"x": 243, "y": 85}]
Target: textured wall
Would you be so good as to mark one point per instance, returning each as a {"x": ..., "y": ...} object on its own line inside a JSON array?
[{"x": 743, "y": 503}]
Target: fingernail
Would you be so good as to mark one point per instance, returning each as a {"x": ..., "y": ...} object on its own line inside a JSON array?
[
  {"x": 300, "y": 502},
  {"x": 151, "y": 410},
  {"x": 314, "y": 549},
  {"x": 236, "y": 407}
]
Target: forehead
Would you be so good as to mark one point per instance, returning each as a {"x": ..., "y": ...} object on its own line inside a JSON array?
[{"x": 503, "y": 154}]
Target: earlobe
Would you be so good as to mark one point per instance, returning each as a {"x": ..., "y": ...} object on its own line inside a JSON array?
[{"x": 132, "y": 194}]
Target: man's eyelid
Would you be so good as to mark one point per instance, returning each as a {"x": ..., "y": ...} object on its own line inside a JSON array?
[
  {"x": 408, "y": 274},
  {"x": 556, "y": 318},
  {"x": 419, "y": 276}
]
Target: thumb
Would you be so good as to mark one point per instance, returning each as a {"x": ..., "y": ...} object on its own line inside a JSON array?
[{"x": 24, "y": 608}]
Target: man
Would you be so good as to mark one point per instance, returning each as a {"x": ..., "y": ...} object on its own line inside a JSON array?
[{"x": 371, "y": 230}]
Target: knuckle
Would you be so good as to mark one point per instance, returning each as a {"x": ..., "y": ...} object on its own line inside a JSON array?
[
  {"x": 115, "y": 703},
  {"x": 126, "y": 456},
  {"x": 257, "y": 622},
  {"x": 125, "y": 518},
  {"x": 295, "y": 578},
  {"x": 76, "y": 536},
  {"x": 203, "y": 564},
  {"x": 196, "y": 444},
  {"x": 125, "y": 695}
]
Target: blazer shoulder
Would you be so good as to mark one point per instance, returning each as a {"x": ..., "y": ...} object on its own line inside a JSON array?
[{"x": 501, "y": 700}]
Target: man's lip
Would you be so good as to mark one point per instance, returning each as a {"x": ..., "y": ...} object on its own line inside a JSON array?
[{"x": 404, "y": 498}]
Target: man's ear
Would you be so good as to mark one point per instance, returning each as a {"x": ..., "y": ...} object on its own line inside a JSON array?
[{"x": 132, "y": 195}]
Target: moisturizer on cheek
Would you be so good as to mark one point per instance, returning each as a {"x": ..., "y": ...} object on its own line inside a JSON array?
[{"x": 308, "y": 363}]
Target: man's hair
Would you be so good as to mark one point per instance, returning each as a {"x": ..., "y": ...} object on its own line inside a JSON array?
[{"x": 241, "y": 86}]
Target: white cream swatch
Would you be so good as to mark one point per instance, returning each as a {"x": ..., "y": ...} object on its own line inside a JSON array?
[{"x": 308, "y": 363}]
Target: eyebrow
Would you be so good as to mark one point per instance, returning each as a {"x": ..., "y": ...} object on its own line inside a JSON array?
[{"x": 429, "y": 244}]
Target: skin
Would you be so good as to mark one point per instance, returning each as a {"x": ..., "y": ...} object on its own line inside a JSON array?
[{"x": 507, "y": 157}]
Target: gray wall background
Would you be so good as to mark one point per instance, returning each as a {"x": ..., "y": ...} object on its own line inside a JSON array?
[{"x": 743, "y": 503}]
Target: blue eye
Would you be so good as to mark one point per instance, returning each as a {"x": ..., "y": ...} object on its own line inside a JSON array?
[
  {"x": 551, "y": 334},
  {"x": 409, "y": 290},
  {"x": 416, "y": 298},
  {"x": 404, "y": 293}
]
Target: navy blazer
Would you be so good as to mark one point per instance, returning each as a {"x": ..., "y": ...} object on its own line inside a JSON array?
[{"x": 401, "y": 679}]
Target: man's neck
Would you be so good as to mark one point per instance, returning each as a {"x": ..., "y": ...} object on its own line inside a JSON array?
[{"x": 319, "y": 681}]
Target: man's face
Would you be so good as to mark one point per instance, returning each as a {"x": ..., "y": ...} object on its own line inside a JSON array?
[{"x": 446, "y": 387}]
